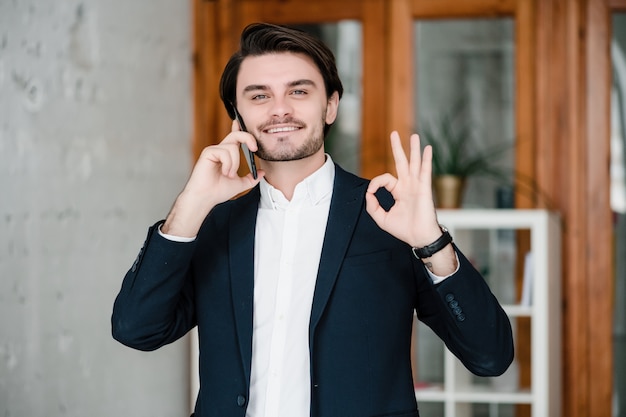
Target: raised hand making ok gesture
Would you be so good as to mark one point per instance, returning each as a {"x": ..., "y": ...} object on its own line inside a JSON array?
[{"x": 412, "y": 218}]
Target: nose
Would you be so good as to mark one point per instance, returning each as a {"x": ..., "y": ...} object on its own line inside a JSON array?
[{"x": 281, "y": 107}]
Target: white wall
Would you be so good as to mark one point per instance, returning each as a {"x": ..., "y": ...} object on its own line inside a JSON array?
[{"x": 95, "y": 130}]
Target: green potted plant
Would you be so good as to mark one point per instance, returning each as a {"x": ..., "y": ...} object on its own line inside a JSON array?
[{"x": 457, "y": 156}]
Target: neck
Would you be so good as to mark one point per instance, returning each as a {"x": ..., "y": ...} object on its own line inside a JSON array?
[{"x": 285, "y": 175}]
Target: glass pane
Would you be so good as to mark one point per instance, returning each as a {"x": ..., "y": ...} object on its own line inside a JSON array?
[
  {"x": 494, "y": 252},
  {"x": 465, "y": 96},
  {"x": 618, "y": 204},
  {"x": 345, "y": 40}
]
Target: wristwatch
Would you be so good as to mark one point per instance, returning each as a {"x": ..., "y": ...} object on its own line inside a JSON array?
[{"x": 429, "y": 250}]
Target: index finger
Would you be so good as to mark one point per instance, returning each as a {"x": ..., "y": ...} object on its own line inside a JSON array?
[
  {"x": 416, "y": 155},
  {"x": 241, "y": 138}
]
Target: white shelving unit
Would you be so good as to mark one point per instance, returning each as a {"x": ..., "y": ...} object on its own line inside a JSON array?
[{"x": 487, "y": 236}]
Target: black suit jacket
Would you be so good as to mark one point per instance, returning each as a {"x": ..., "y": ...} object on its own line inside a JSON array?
[{"x": 368, "y": 287}]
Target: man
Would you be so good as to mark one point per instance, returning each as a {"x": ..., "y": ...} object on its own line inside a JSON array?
[{"x": 304, "y": 288}]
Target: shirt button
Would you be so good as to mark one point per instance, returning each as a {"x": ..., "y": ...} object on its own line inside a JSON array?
[{"x": 241, "y": 400}]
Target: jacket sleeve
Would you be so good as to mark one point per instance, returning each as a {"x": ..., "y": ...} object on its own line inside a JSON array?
[
  {"x": 464, "y": 313},
  {"x": 155, "y": 305}
]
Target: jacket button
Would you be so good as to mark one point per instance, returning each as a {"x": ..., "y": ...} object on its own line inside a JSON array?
[
  {"x": 449, "y": 297},
  {"x": 241, "y": 400}
]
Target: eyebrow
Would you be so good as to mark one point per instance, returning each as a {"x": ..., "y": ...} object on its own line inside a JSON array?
[{"x": 263, "y": 87}]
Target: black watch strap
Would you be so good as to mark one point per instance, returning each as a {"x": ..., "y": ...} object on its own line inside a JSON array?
[{"x": 433, "y": 248}]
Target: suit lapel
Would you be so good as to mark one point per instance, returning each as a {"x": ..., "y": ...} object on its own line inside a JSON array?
[
  {"x": 345, "y": 208},
  {"x": 241, "y": 250}
]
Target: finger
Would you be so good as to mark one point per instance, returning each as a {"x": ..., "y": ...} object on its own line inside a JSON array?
[
  {"x": 243, "y": 137},
  {"x": 398, "y": 154},
  {"x": 426, "y": 170},
  {"x": 229, "y": 162},
  {"x": 415, "y": 163},
  {"x": 224, "y": 155},
  {"x": 250, "y": 140},
  {"x": 374, "y": 209},
  {"x": 387, "y": 181},
  {"x": 251, "y": 181}
]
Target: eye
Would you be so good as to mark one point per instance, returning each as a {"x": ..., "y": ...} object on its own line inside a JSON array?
[
  {"x": 299, "y": 92},
  {"x": 259, "y": 97}
]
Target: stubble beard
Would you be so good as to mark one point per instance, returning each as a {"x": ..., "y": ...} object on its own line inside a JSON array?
[{"x": 285, "y": 151}]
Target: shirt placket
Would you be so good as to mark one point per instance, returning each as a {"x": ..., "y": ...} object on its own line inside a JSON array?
[{"x": 281, "y": 312}]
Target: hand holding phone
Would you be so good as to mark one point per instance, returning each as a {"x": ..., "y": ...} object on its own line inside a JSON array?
[{"x": 246, "y": 151}]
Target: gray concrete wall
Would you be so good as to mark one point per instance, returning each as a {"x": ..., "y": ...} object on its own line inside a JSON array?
[{"x": 95, "y": 130}]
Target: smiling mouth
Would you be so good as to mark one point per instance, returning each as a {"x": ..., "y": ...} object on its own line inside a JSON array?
[{"x": 282, "y": 129}]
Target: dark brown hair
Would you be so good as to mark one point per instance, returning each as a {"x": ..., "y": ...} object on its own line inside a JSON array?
[{"x": 264, "y": 38}]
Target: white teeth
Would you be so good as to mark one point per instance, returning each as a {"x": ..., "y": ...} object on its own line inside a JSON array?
[{"x": 281, "y": 129}]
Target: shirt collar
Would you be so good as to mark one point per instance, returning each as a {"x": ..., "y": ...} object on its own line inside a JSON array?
[{"x": 311, "y": 191}]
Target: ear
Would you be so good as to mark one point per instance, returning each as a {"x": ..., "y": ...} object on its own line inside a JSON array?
[{"x": 331, "y": 108}]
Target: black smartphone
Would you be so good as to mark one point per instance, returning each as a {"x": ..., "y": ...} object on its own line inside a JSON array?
[{"x": 246, "y": 152}]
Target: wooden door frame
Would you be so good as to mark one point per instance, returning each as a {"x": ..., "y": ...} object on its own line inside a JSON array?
[
  {"x": 562, "y": 127},
  {"x": 573, "y": 122}
]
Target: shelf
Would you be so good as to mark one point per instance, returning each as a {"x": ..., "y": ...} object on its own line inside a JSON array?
[
  {"x": 490, "y": 239},
  {"x": 430, "y": 395},
  {"x": 430, "y": 392},
  {"x": 479, "y": 393},
  {"x": 485, "y": 396},
  {"x": 516, "y": 310}
]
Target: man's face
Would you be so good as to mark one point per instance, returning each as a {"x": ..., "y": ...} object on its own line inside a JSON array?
[{"x": 283, "y": 102}]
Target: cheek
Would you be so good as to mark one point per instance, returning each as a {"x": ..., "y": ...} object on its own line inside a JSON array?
[{"x": 255, "y": 119}]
